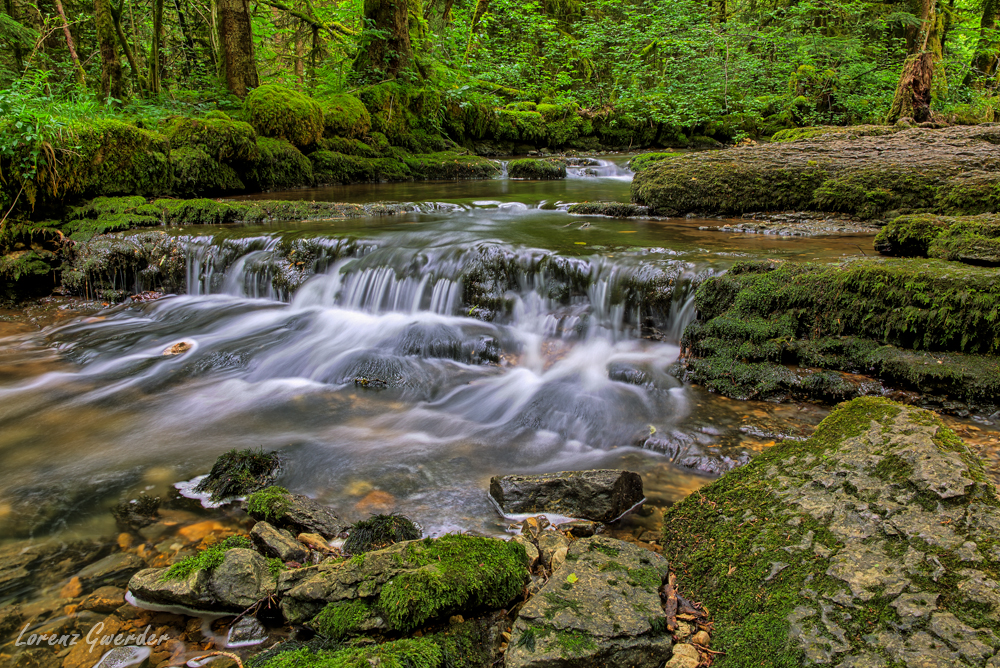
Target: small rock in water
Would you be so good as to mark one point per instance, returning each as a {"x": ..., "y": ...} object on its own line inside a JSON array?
[
  {"x": 601, "y": 495},
  {"x": 246, "y": 632},
  {"x": 122, "y": 657},
  {"x": 533, "y": 526},
  {"x": 580, "y": 528},
  {"x": 178, "y": 348}
]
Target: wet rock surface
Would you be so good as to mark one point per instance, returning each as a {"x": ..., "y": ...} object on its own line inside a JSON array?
[
  {"x": 795, "y": 224},
  {"x": 600, "y": 608},
  {"x": 278, "y": 543},
  {"x": 602, "y": 495},
  {"x": 301, "y": 514},
  {"x": 870, "y": 544}
]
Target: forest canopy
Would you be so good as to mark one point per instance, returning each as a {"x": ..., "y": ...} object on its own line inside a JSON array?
[{"x": 727, "y": 69}]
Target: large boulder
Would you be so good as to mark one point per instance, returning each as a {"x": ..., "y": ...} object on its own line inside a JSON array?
[
  {"x": 868, "y": 176},
  {"x": 405, "y": 585},
  {"x": 602, "y": 495},
  {"x": 601, "y": 608},
  {"x": 871, "y": 544},
  {"x": 242, "y": 579}
]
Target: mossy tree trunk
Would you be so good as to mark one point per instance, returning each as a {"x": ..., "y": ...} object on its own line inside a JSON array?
[
  {"x": 984, "y": 61},
  {"x": 236, "y": 38},
  {"x": 917, "y": 82},
  {"x": 385, "y": 43},
  {"x": 112, "y": 86},
  {"x": 154, "y": 56}
]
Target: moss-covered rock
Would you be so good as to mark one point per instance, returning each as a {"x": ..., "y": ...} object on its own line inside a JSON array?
[
  {"x": 276, "y": 111},
  {"x": 601, "y": 607},
  {"x": 411, "y": 583},
  {"x": 527, "y": 168},
  {"x": 868, "y": 176},
  {"x": 278, "y": 166},
  {"x": 644, "y": 160},
  {"x": 345, "y": 116},
  {"x": 974, "y": 240},
  {"x": 910, "y": 236},
  {"x": 198, "y": 173},
  {"x": 798, "y": 134},
  {"x": 223, "y": 139},
  {"x": 610, "y": 209},
  {"x": 111, "y": 267},
  {"x": 526, "y": 127},
  {"x": 398, "y": 109},
  {"x": 872, "y": 543},
  {"x": 240, "y": 472},
  {"x": 330, "y": 167},
  {"x": 447, "y": 165},
  {"x": 378, "y": 532},
  {"x": 763, "y": 315}
]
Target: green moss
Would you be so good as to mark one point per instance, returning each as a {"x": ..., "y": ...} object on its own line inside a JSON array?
[
  {"x": 109, "y": 267},
  {"x": 407, "y": 653},
  {"x": 239, "y": 472},
  {"x": 549, "y": 168},
  {"x": 275, "y": 566},
  {"x": 398, "y": 109},
  {"x": 448, "y": 165},
  {"x": 345, "y": 116},
  {"x": 342, "y": 618},
  {"x": 910, "y": 236},
  {"x": 871, "y": 191},
  {"x": 973, "y": 240},
  {"x": 279, "y": 166},
  {"x": 330, "y": 167},
  {"x": 275, "y": 111},
  {"x": 645, "y": 160},
  {"x": 611, "y": 209},
  {"x": 223, "y": 139},
  {"x": 196, "y": 173},
  {"x": 270, "y": 503},
  {"x": 455, "y": 572},
  {"x": 207, "y": 559},
  {"x": 970, "y": 193},
  {"x": 378, "y": 532}
]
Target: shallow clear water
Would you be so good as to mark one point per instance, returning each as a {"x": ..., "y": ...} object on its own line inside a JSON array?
[{"x": 363, "y": 367}]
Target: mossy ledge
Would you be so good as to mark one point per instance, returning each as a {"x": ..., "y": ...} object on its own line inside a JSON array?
[
  {"x": 869, "y": 176},
  {"x": 924, "y": 325},
  {"x": 968, "y": 239},
  {"x": 874, "y": 543}
]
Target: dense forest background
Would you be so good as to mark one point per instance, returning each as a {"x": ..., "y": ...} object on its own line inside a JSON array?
[{"x": 727, "y": 69}]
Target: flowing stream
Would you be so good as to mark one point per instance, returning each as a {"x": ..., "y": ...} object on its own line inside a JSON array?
[{"x": 396, "y": 363}]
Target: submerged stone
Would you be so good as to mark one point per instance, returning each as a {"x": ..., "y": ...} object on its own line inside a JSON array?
[
  {"x": 601, "y": 495},
  {"x": 884, "y": 524},
  {"x": 601, "y": 607}
]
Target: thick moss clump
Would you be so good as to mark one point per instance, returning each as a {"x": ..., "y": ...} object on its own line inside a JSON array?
[
  {"x": 872, "y": 543},
  {"x": 399, "y": 110},
  {"x": 279, "y": 166},
  {"x": 276, "y": 111},
  {"x": 860, "y": 316},
  {"x": 330, "y": 167},
  {"x": 270, "y": 503},
  {"x": 548, "y": 168},
  {"x": 378, "y": 532},
  {"x": 446, "y": 165},
  {"x": 197, "y": 173},
  {"x": 223, "y": 139},
  {"x": 910, "y": 236},
  {"x": 643, "y": 161},
  {"x": 240, "y": 472},
  {"x": 526, "y": 127},
  {"x": 969, "y": 240},
  {"x": 345, "y": 116},
  {"x": 108, "y": 214},
  {"x": 207, "y": 559}
]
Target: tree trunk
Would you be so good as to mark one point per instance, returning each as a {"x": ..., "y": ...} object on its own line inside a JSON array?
[
  {"x": 107, "y": 40},
  {"x": 116, "y": 17},
  {"x": 385, "y": 43},
  {"x": 69, "y": 43},
  {"x": 154, "y": 55},
  {"x": 917, "y": 81},
  {"x": 188, "y": 41},
  {"x": 236, "y": 38},
  {"x": 18, "y": 52},
  {"x": 984, "y": 61}
]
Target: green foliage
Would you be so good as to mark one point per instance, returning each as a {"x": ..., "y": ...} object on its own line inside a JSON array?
[
  {"x": 345, "y": 116},
  {"x": 342, "y": 618},
  {"x": 206, "y": 560},
  {"x": 240, "y": 472},
  {"x": 379, "y": 531},
  {"x": 276, "y": 111},
  {"x": 270, "y": 503}
]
